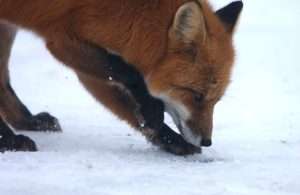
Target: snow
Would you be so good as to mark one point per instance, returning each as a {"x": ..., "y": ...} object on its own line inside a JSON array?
[{"x": 256, "y": 136}]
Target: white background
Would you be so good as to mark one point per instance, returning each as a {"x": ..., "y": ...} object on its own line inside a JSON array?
[{"x": 256, "y": 137}]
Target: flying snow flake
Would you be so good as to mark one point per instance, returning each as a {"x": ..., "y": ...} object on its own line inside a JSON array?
[
  {"x": 142, "y": 125},
  {"x": 110, "y": 78}
]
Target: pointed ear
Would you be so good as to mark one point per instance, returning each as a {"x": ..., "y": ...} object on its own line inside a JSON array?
[
  {"x": 188, "y": 23},
  {"x": 229, "y": 15}
]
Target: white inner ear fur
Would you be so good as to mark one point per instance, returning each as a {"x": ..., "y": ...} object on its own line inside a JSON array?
[{"x": 189, "y": 22}]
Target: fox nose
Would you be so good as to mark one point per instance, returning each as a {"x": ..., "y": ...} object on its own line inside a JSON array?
[{"x": 206, "y": 142}]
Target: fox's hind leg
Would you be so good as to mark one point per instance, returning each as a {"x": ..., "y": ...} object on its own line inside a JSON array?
[{"x": 12, "y": 110}]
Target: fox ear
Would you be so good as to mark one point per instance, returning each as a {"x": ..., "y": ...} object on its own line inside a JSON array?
[
  {"x": 229, "y": 15},
  {"x": 188, "y": 23}
]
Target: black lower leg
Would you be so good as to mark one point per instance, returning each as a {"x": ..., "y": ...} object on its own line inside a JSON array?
[{"x": 152, "y": 109}]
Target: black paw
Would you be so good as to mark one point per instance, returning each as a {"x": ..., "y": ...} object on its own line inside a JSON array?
[
  {"x": 178, "y": 146},
  {"x": 44, "y": 122},
  {"x": 153, "y": 113},
  {"x": 18, "y": 143},
  {"x": 174, "y": 143}
]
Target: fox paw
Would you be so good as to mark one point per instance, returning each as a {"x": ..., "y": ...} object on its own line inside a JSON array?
[
  {"x": 44, "y": 122},
  {"x": 178, "y": 146},
  {"x": 18, "y": 143},
  {"x": 171, "y": 142}
]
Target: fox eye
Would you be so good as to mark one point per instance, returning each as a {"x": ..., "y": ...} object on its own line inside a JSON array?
[{"x": 199, "y": 98}]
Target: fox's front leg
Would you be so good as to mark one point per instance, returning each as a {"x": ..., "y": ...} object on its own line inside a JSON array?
[
  {"x": 98, "y": 63},
  {"x": 121, "y": 103}
]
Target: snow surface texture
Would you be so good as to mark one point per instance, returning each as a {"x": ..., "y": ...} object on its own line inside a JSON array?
[{"x": 256, "y": 137}]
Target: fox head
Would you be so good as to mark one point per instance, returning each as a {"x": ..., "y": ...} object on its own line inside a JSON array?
[{"x": 195, "y": 72}]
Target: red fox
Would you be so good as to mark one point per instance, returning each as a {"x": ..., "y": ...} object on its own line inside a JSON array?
[{"x": 137, "y": 57}]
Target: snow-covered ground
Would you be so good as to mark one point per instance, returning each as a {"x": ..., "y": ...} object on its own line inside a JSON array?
[{"x": 257, "y": 125}]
